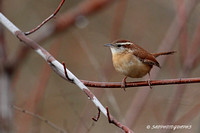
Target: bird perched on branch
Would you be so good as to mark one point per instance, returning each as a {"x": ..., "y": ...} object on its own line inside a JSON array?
[{"x": 132, "y": 60}]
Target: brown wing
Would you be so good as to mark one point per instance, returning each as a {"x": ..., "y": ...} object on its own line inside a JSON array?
[{"x": 143, "y": 55}]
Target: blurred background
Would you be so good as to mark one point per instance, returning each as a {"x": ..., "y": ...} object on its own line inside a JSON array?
[{"x": 76, "y": 36}]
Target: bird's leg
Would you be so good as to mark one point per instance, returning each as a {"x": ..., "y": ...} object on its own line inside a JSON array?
[
  {"x": 149, "y": 81},
  {"x": 123, "y": 86}
]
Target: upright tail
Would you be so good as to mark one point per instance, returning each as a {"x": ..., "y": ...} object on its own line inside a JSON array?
[{"x": 163, "y": 53}]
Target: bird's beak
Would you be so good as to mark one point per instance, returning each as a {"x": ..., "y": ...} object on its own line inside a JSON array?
[{"x": 108, "y": 45}]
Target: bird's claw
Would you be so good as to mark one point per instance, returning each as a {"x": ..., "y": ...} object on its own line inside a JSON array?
[
  {"x": 149, "y": 83},
  {"x": 123, "y": 85}
]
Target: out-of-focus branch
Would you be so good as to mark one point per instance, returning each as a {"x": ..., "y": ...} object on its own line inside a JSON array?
[
  {"x": 188, "y": 116},
  {"x": 118, "y": 19},
  {"x": 56, "y": 66},
  {"x": 2, "y": 48},
  {"x": 37, "y": 93},
  {"x": 51, "y": 124},
  {"x": 181, "y": 13},
  {"x": 85, "y": 8},
  {"x": 187, "y": 66},
  {"x": 193, "y": 52},
  {"x": 6, "y": 116},
  {"x": 166, "y": 45},
  {"x": 173, "y": 107}
]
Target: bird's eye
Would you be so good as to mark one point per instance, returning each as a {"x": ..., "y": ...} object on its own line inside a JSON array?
[{"x": 119, "y": 45}]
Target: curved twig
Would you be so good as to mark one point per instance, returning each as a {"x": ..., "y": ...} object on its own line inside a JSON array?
[
  {"x": 46, "y": 20},
  {"x": 98, "y": 116}
]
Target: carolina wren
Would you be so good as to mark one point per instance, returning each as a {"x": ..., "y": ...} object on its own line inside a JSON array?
[{"x": 132, "y": 60}]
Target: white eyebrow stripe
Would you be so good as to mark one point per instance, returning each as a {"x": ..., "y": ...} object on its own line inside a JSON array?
[{"x": 125, "y": 43}]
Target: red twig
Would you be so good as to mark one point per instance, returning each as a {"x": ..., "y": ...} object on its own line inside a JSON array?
[
  {"x": 98, "y": 115},
  {"x": 141, "y": 83},
  {"x": 116, "y": 123},
  {"x": 46, "y": 20},
  {"x": 108, "y": 114},
  {"x": 66, "y": 75}
]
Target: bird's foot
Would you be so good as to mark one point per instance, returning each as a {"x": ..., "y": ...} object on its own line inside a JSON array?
[
  {"x": 149, "y": 83},
  {"x": 123, "y": 85}
]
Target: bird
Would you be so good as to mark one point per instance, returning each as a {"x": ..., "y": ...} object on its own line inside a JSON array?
[{"x": 132, "y": 60}]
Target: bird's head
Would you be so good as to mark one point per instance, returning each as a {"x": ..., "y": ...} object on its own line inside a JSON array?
[{"x": 120, "y": 46}]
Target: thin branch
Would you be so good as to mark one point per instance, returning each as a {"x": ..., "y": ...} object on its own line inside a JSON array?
[
  {"x": 98, "y": 115},
  {"x": 116, "y": 123},
  {"x": 66, "y": 75},
  {"x": 54, "y": 64},
  {"x": 46, "y": 20},
  {"x": 141, "y": 83},
  {"x": 51, "y": 124},
  {"x": 135, "y": 84}
]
